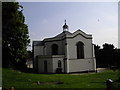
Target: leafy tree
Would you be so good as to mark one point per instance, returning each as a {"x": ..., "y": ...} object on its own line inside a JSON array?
[
  {"x": 107, "y": 56},
  {"x": 117, "y": 57},
  {"x": 29, "y": 54},
  {"x": 15, "y": 37},
  {"x": 108, "y": 46},
  {"x": 97, "y": 53},
  {"x": 108, "y": 51}
]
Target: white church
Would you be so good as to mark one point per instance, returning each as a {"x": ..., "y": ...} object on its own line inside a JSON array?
[{"x": 65, "y": 53}]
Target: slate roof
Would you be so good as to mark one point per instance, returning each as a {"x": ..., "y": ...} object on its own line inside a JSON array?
[
  {"x": 63, "y": 34},
  {"x": 38, "y": 43}
]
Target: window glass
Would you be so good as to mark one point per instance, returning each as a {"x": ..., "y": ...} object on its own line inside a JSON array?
[
  {"x": 80, "y": 50},
  {"x": 54, "y": 49}
]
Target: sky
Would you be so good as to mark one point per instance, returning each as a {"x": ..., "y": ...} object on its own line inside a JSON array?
[{"x": 45, "y": 19}]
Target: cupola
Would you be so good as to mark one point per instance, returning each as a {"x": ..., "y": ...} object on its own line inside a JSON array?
[{"x": 65, "y": 27}]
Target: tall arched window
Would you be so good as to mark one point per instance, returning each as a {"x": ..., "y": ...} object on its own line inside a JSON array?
[
  {"x": 80, "y": 50},
  {"x": 59, "y": 64},
  {"x": 54, "y": 49}
]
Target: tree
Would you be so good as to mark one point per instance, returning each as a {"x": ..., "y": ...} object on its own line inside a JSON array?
[
  {"x": 97, "y": 54},
  {"x": 107, "y": 56},
  {"x": 15, "y": 37},
  {"x": 29, "y": 54},
  {"x": 108, "y": 51},
  {"x": 108, "y": 46}
]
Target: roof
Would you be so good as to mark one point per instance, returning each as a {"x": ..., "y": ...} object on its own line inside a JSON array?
[
  {"x": 63, "y": 34},
  {"x": 38, "y": 43}
]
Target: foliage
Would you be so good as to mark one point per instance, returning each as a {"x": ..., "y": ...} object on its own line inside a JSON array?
[
  {"x": 12, "y": 78},
  {"x": 107, "y": 56},
  {"x": 29, "y": 54},
  {"x": 15, "y": 36}
]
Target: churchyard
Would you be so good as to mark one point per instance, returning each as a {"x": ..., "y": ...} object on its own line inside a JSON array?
[{"x": 17, "y": 79}]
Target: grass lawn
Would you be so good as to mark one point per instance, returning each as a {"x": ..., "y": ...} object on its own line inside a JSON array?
[{"x": 12, "y": 78}]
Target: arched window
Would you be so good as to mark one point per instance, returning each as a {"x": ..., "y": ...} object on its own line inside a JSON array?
[
  {"x": 54, "y": 49},
  {"x": 59, "y": 64},
  {"x": 80, "y": 50}
]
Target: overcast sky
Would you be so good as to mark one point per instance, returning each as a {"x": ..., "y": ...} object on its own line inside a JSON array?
[{"x": 45, "y": 19}]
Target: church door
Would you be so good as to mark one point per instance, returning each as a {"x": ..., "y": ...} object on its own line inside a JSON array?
[{"x": 45, "y": 66}]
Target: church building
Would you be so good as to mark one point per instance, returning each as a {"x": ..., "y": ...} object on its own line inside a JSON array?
[{"x": 65, "y": 53}]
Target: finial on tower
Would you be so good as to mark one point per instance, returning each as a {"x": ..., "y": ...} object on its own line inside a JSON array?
[
  {"x": 65, "y": 21},
  {"x": 65, "y": 26}
]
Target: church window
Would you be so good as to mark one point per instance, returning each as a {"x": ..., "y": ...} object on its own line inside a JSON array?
[
  {"x": 80, "y": 50},
  {"x": 54, "y": 49},
  {"x": 59, "y": 64}
]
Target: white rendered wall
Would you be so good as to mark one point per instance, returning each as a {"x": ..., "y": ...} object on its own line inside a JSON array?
[
  {"x": 38, "y": 50},
  {"x": 55, "y": 64},
  {"x": 41, "y": 65},
  {"x": 61, "y": 47},
  {"x": 73, "y": 49},
  {"x": 52, "y": 63},
  {"x": 80, "y": 65}
]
